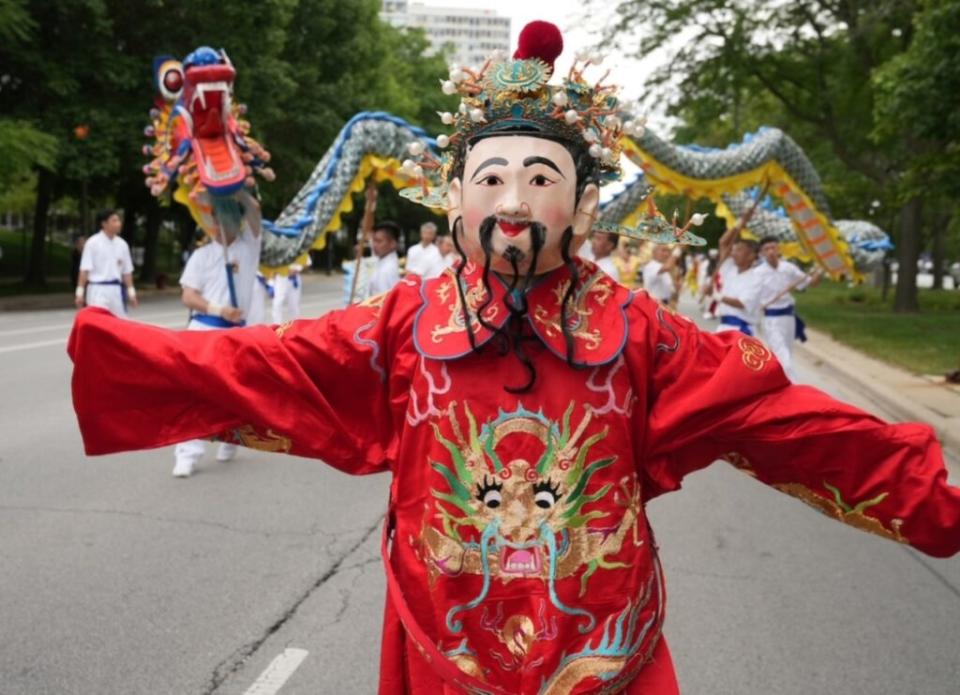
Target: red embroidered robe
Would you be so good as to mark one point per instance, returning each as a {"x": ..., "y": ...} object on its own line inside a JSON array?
[{"x": 521, "y": 558}]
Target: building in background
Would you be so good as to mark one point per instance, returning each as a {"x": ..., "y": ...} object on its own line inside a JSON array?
[{"x": 472, "y": 34}]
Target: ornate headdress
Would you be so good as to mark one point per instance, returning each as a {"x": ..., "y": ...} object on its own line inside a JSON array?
[{"x": 512, "y": 96}]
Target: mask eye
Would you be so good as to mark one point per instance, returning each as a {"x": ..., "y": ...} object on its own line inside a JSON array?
[
  {"x": 541, "y": 181},
  {"x": 489, "y": 180},
  {"x": 488, "y": 492},
  {"x": 171, "y": 80},
  {"x": 546, "y": 494}
]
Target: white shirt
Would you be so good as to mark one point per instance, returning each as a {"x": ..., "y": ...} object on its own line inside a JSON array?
[
  {"x": 425, "y": 261},
  {"x": 659, "y": 285},
  {"x": 449, "y": 260},
  {"x": 607, "y": 265},
  {"x": 106, "y": 259},
  {"x": 586, "y": 252},
  {"x": 386, "y": 274},
  {"x": 773, "y": 281},
  {"x": 207, "y": 274},
  {"x": 744, "y": 286}
]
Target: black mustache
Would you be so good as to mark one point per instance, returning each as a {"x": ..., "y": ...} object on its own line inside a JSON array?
[{"x": 538, "y": 233}]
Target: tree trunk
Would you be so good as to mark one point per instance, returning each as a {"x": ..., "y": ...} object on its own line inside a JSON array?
[
  {"x": 939, "y": 254},
  {"x": 148, "y": 271},
  {"x": 36, "y": 273},
  {"x": 128, "y": 232},
  {"x": 905, "y": 299}
]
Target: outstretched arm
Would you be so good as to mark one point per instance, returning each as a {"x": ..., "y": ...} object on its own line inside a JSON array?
[
  {"x": 725, "y": 244},
  {"x": 319, "y": 388},
  {"x": 725, "y": 396}
]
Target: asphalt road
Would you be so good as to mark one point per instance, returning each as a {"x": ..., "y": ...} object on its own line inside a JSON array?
[{"x": 116, "y": 578}]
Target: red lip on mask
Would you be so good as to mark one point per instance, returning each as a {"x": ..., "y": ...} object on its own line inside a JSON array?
[{"x": 512, "y": 229}]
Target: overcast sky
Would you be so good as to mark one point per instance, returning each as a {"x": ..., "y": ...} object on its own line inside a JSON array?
[{"x": 579, "y": 32}]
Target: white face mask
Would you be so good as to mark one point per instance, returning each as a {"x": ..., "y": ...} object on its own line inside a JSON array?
[{"x": 525, "y": 184}]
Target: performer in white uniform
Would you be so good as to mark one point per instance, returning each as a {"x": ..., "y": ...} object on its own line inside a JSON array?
[
  {"x": 287, "y": 291},
  {"x": 217, "y": 288},
  {"x": 658, "y": 275},
  {"x": 740, "y": 287},
  {"x": 262, "y": 291},
  {"x": 778, "y": 278},
  {"x": 603, "y": 245},
  {"x": 386, "y": 269},
  {"x": 424, "y": 258},
  {"x": 106, "y": 269}
]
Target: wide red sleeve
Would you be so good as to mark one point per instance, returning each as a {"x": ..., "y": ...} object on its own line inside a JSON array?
[
  {"x": 712, "y": 396},
  {"x": 329, "y": 388}
]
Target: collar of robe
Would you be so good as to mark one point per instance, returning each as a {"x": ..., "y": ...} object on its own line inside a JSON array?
[{"x": 596, "y": 315}]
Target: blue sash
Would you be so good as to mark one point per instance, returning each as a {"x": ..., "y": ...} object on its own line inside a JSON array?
[
  {"x": 800, "y": 332},
  {"x": 295, "y": 281},
  {"x": 742, "y": 326},
  {"x": 215, "y": 321},
  {"x": 785, "y": 311},
  {"x": 266, "y": 285},
  {"x": 118, "y": 283}
]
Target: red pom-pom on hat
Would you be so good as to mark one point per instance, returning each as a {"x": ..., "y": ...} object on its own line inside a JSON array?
[{"x": 541, "y": 40}]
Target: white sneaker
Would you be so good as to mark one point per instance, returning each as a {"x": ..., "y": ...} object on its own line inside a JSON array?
[
  {"x": 183, "y": 468},
  {"x": 226, "y": 452}
]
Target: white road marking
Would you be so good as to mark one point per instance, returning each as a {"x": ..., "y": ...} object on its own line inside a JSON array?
[
  {"x": 278, "y": 672},
  {"x": 63, "y": 341},
  {"x": 145, "y": 319},
  {"x": 30, "y": 346},
  {"x": 65, "y": 327}
]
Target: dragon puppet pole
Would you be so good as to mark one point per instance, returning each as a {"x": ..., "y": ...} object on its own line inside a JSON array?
[
  {"x": 366, "y": 227},
  {"x": 786, "y": 290},
  {"x": 746, "y": 216}
]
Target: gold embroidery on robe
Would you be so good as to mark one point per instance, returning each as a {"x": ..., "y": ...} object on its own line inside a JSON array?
[
  {"x": 272, "y": 441},
  {"x": 755, "y": 354}
]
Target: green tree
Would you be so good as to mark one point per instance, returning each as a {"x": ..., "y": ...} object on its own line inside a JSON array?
[
  {"x": 811, "y": 60},
  {"x": 917, "y": 114},
  {"x": 77, "y": 86}
]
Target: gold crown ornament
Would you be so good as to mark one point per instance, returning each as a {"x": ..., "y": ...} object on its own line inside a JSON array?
[{"x": 513, "y": 95}]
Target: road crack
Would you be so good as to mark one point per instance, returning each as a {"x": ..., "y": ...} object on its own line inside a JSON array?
[
  {"x": 311, "y": 532},
  {"x": 239, "y": 657}
]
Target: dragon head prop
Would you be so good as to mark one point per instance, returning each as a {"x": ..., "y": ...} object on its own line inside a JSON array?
[{"x": 202, "y": 143}]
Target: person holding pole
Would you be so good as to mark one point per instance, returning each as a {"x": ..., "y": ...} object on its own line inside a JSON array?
[{"x": 777, "y": 279}]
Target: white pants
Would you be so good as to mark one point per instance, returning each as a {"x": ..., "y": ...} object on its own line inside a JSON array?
[
  {"x": 110, "y": 297},
  {"x": 727, "y": 327},
  {"x": 259, "y": 297},
  {"x": 778, "y": 333},
  {"x": 194, "y": 449},
  {"x": 285, "y": 293}
]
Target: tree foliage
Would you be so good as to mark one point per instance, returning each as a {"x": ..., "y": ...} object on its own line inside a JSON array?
[
  {"x": 917, "y": 110},
  {"x": 867, "y": 88},
  {"x": 76, "y": 85}
]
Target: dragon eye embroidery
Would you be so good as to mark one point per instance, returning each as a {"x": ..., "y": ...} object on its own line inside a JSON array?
[
  {"x": 488, "y": 492},
  {"x": 546, "y": 493}
]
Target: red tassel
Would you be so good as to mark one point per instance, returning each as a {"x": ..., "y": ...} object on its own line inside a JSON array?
[{"x": 541, "y": 40}]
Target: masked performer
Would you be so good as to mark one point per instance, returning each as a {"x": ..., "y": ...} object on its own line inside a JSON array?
[{"x": 527, "y": 407}]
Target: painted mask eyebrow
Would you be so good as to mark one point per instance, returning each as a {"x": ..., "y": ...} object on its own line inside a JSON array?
[
  {"x": 530, "y": 161},
  {"x": 490, "y": 162}
]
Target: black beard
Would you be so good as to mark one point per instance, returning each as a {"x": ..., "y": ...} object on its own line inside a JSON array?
[
  {"x": 512, "y": 334},
  {"x": 512, "y": 254}
]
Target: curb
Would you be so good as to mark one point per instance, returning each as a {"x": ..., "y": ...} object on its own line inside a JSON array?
[
  {"x": 886, "y": 385},
  {"x": 64, "y": 300}
]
